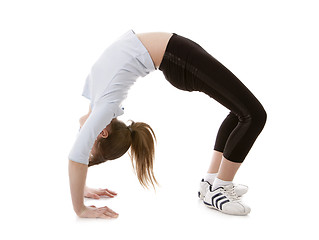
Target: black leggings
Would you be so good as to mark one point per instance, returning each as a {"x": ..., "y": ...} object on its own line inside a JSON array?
[{"x": 187, "y": 66}]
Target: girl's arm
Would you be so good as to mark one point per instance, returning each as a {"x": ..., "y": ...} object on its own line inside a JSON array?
[
  {"x": 91, "y": 192},
  {"x": 77, "y": 176},
  {"x": 96, "y": 121}
]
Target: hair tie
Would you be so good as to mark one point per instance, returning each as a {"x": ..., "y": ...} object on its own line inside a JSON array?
[{"x": 129, "y": 128}]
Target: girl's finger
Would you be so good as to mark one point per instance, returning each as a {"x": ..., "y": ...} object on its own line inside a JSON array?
[
  {"x": 108, "y": 191},
  {"x": 110, "y": 210},
  {"x": 93, "y": 195},
  {"x": 112, "y": 192},
  {"x": 105, "y": 193},
  {"x": 108, "y": 213},
  {"x": 102, "y": 215},
  {"x": 108, "y": 194},
  {"x": 105, "y": 209}
]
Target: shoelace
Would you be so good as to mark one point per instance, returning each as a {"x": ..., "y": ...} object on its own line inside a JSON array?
[{"x": 231, "y": 194}]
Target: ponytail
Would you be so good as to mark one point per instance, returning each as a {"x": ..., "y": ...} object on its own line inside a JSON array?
[
  {"x": 142, "y": 152},
  {"x": 140, "y": 137}
]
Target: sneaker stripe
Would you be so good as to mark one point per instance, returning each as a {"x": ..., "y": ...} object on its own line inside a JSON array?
[
  {"x": 215, "y": 196},
  {"x": 222, "y": 203},
  {"x": 219, "y": 199}
]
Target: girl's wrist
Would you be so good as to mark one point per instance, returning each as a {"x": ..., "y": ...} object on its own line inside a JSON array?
[{"x": 79, "y": 210}]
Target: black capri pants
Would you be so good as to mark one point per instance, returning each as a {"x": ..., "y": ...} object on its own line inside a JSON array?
[{"x": 187, "y": 66}]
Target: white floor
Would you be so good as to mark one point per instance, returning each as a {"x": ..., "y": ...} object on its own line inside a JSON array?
[{"x": 36, "y": 203}]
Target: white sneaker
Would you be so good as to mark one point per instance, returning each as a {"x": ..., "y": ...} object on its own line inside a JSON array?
[
  {"x": 204, "y": 187},
  {"x": 225, "y": 199}
]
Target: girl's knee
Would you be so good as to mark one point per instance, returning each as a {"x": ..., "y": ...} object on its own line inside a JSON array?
[
  {"x": 262, "y": 116},
  {"x": 259, "y": 118},
  {"x": 256, "y": 118}
]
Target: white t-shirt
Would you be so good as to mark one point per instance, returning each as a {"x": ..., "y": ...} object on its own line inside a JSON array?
[{"x": 107, "y": 86}]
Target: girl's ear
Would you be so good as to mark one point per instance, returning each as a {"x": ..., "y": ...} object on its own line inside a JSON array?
[{"x": 104, "y": 133}]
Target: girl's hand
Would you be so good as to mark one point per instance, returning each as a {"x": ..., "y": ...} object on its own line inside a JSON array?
[
  {"x": 97, "y": 193},
  {"x": 94, "y": 212}
]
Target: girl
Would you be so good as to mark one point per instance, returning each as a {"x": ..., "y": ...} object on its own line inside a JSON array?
[{"x": 187, "y": 66}]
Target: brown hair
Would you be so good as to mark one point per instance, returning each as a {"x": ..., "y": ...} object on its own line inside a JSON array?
[{"x": 140, "y": 137}]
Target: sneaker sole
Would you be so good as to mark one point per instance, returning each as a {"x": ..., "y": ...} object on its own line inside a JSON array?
[{"x": 212, "y": 207}]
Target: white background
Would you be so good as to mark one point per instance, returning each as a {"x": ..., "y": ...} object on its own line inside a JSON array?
[{"x": 46, "y": 51}]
